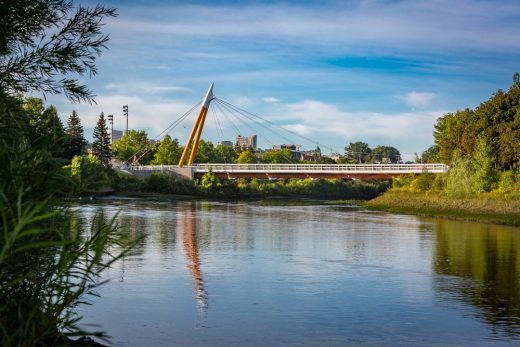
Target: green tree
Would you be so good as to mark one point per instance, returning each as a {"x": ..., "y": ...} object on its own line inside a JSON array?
[
  {"x": 497, "y": 120},
  {"x": 75, "y": 141},
  {"x": 46, "y": 127},
  {"x": 326, "y": 160},
  {"x": 485, "y": 175},
  {"x": 358, "y": 151},
  {"x": 135, "y": 147},
  {"x": 168, "y": 152},
  {"x": 431, "y": 155},
  {"x": 460, "y": 176},
  {"x": 206, "y": 153},
  {"x": 45, "y": 45},
  {"x": 226, "y": 154},
  {"x": 281, "y": 156},
  {"x": 47, "y": 264},
  {"x": 385, "y": 154},
  {"x": 88, "y": 173},
  {"x": 210, "y": 181},
  {"x": 101, "y": 144},
  {"x": 246, "y": 157}
]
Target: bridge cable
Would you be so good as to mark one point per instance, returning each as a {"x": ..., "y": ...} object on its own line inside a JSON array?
[
  {"x": 276, "y": 125},
  {"x": 220, "y": 133},
  {"x": 233, "y": 112},
  {"x": 174, "y": 124}
]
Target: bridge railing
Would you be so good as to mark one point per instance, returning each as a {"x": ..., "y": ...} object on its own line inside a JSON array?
[{"x": 318, "y": 168}]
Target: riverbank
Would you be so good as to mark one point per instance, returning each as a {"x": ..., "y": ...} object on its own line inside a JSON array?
[
  {"x": 489, "y": 208},
  {"x": 252, "y": 188}
]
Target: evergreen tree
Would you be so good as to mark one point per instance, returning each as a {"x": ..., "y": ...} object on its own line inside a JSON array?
[
  {"x": 47, "y": 130},
  {"x": 101, "y": 144},
  {"x": 75, "y": 142}
]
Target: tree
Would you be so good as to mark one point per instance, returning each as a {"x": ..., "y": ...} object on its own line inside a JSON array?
[
  {"x": 168, "y": 152},
  {"x": 226, "y": 154},
  {"x": 431, "y": 155},
  {"x": 326, "y": 160},
  {"x": 358, "y": 151},
  {"x": 485, "y": 175},
  {"x": 134, "y": 146},
  {"x": 46, "y": 127},
  {"x": 75, "y": 141},
  {"x": 45, "y": 44},
  {"x": 101, "y": 144},
  {"x": 497, "y": 120},
  {"x": 246, "y": 157},
  {"x": 281, "y": 156},
  {"x": 48, "y": 264},
  {"x": 206, "y": 153},
  {"x": 385, "y": 154}
]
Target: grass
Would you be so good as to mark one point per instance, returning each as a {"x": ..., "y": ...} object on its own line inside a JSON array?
[{"x": 489, "y": 207}]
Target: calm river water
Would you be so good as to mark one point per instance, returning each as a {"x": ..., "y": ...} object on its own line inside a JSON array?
[{"x": 281, "y": 274}]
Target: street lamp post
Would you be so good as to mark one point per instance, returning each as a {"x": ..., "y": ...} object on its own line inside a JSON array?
[
  {"x": 111, "y": 120},
  {"x": 125, "y": 114}
]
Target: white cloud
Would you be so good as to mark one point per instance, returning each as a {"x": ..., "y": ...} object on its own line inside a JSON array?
[
  {"x": 406, "y": 25},
  {"x": 143, "y": 88},
  {"x": 327, "y": 123},
  {"x": 418, "y": 100},
  {"x": 271, "y": 100}
]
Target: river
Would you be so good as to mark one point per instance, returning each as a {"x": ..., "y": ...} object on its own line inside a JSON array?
[{"x": 262, "y": 273}]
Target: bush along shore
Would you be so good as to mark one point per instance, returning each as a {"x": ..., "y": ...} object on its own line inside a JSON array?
[
  {"x": 210, "y": 186},
  {"x": 430, "y": 195}
]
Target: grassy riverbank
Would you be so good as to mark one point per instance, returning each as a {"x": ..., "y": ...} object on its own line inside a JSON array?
[{"x": 487, "y": 207}]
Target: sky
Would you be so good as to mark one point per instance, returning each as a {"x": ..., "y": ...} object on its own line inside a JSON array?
[{"x": 378, "y": 71}]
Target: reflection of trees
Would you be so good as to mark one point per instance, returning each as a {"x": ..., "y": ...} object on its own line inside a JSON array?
[
  {"x": 489, "y": 256},
  {"x": 187, "y": 224}
]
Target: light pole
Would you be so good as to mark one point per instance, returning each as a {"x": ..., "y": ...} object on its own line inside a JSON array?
[
  {"x": 125, "y": 114},
  {"x": 111, "y": 120}
]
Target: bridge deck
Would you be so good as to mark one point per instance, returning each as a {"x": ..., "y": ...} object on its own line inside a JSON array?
[{"x": 272, "y": 171}]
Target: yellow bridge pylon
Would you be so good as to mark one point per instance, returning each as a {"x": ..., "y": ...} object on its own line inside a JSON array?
[{"x": 196, "y": 131}]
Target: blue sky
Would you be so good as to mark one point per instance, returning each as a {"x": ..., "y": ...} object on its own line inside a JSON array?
[{"x": 379, "y": 71}]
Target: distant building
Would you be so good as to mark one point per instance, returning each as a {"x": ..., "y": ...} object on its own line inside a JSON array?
[
  {"x": 246, "y": 142},
  {"x": 335, "y": 156},
  {"x": 114, "y": 135},
  {"x": 226, "y": 143},
  {"x": 286, "y": 146},
  {"x": 311, "y": 156}
]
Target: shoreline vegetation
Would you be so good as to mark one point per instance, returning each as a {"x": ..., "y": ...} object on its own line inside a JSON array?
[
  {"x": 489, "y": 208},
  {"x": 409, "y": 194},
  {"x": 211, "y": 187}
]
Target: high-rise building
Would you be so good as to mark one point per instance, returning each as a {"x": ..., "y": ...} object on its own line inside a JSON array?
[
  {"x": 114, "y": 135},
  {"x": 246, "y": 142}
]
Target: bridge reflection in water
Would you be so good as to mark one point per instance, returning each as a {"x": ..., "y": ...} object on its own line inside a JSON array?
[{"x": 187, "y": 231}]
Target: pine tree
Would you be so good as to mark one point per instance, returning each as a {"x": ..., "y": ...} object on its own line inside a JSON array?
[
  {"x": 75, "y": 142},
  {"x": 101, "y": 144}
]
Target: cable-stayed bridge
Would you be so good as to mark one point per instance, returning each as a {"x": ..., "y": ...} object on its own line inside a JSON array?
[
  {"x": 278, "y": 171},
  {"x": 187, "y": 167}
]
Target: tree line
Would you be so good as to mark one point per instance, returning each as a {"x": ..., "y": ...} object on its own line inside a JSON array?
[{"x": 481, "y": 146}]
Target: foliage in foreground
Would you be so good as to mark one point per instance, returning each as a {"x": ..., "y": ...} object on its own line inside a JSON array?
[{"x": 49, "y": 265}]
